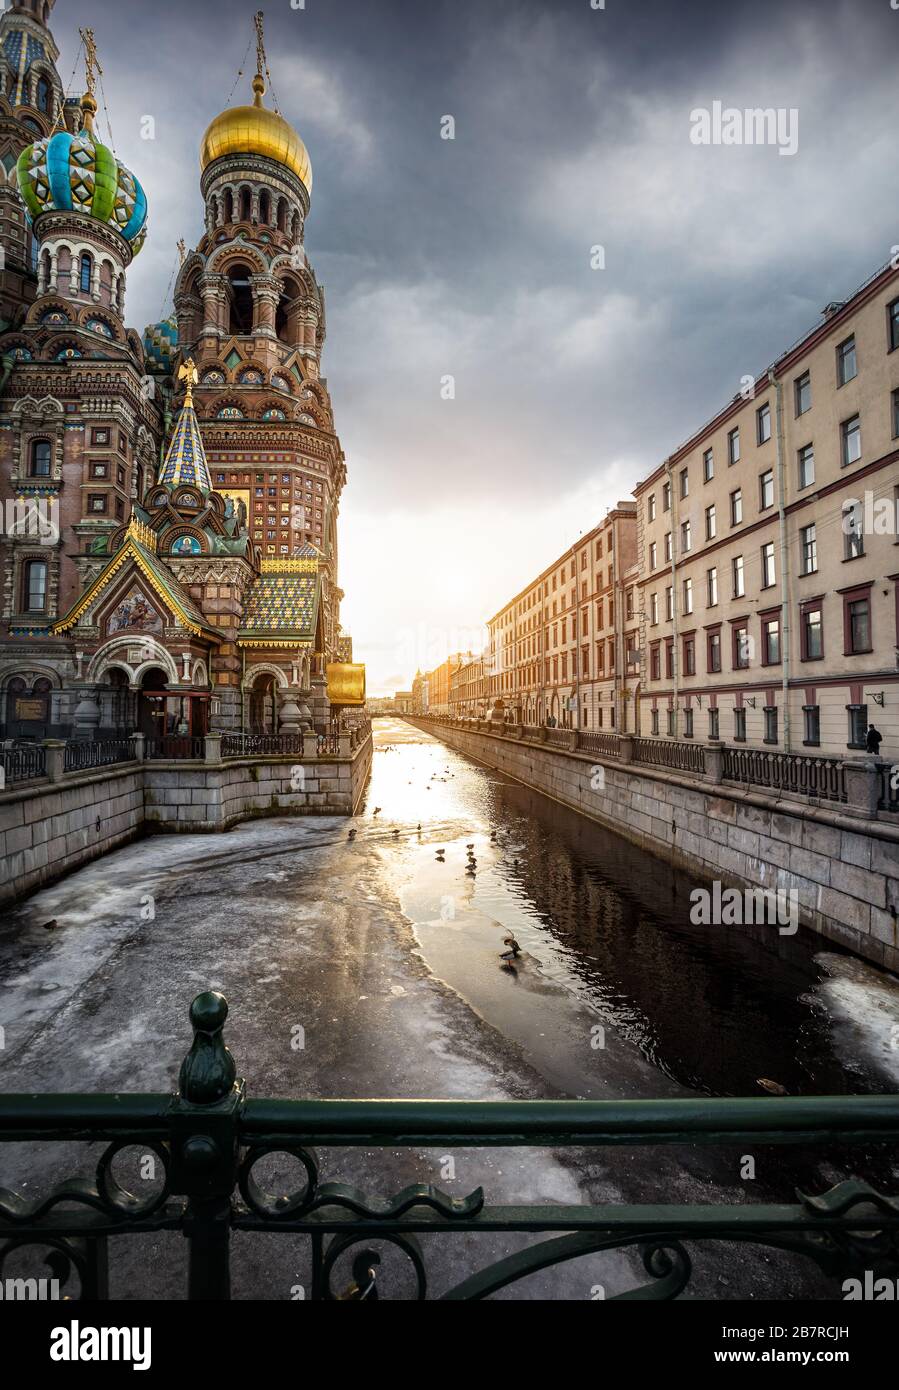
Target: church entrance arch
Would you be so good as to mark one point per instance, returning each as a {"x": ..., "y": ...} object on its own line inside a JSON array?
[{"x": 264, "y": 704}]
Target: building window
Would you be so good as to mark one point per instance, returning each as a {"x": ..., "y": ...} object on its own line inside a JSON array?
[
  {"x": 733, "y": 447},
  {"x": 40, "y": 459},
  {"x": 712, "y": 587},
  {"x": 708, "y": 466},
  {"x": 853, "y": 532},
  {"x": 711, "y": 523},
  {"x": 771, "y": 641},
  {"x": 713, "y": 651},
  {"x": 812, "y": 633},
  {"x": 686, "y": 537},
  {"x": 666, "y": 497},
  {"x": 857, "y": 625},
  {"x": 739, "y": 724},
  {"x": 766, "y": 490},
  {"x": 43, "y": 95},
  {"x": 35, "y": 586},
  {"x": 689, "y": 656},
  {"x": 650, "y": 514},
  {"x": 742, "y": 647},
  {"x": 738, "y": 576},
  {"x": 808, "y": 550},
  {"x": 736, "y": 507},
  {"x": 895, "y": 413},
  {"x": 812, "y": 716},
  {"x": 858, "y": 726},
  {"x": 86, "y": 267},
  {"x": 653, "y": 609},
  {"x": 763, "y": 423},
  {"x": 893, "y": 325},
  {"x": 654, "y": 722},
  {"x": 671, "y": 724},
  {"x": 802, "y": 388},
  {"x": 847, "y": 365},
  {"x": 669, "y": 658},
  {"x": 714, "y": 724},
  {"x": 770, "y": 723},
  {"x": 806, "y": 466},
  {"x": 685, "y": 482},
  {"x": 688, "y": 723},
  {"x": 851, "y": 440},
  {"x": 655, "y": 662},
  {"x": 96, "y": 502},
  {"x": 667, "y": 547},
  {"x": 688, "y": 595},
  {"x": 669, "y": 603},
  {"x": 769, "y": 575}
]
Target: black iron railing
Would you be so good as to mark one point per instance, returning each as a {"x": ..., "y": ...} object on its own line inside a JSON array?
[
  {"x": 604, "y": 745},
  {"x": 81, "y": 757},
  {"x": 262, "y": 745},
  {"x": 889, "y": 788},
  {"x": 680, "y": 757},
  {"x": 176, "y": 747},
  {"x": 24, "y": 763},
  {"x": 797, "y": 774},
  {"x": 211, "y": 1140}
]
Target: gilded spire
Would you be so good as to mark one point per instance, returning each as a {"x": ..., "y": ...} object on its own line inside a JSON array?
[
  {"x": 186, "y": 460},
  {"x": 261, "y": 63},
  {"x": 92, "y": 71}
]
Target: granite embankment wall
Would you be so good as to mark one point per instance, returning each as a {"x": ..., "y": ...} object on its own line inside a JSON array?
[
  {"x": 844, "y": 869},
  {"x": 49, "y": 828}
]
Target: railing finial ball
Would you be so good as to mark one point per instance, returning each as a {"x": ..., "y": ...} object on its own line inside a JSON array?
[
  {"x": 208, "y": 1071},
  {"x": 209, "y": 1011}
]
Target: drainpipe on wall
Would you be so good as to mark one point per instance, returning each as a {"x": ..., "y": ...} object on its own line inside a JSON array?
[
  {"x": 675, "y": 653},
  {"x": 785, "y": 637}
]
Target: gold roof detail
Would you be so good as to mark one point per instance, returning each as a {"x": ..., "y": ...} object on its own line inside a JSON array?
[
  {"x": 256, "y": 130},
  {"x": 289, "y": 567}
]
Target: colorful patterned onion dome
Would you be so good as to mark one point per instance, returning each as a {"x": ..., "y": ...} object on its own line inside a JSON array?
[
  {"x": 75, "y": 173},
  {"x": 257, "y": 130},
  {"x": 161, "y": 344}
]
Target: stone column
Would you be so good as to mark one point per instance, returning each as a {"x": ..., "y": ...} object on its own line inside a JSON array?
[
  {"x": 714, "y": 762},
  {"x": 87, "y": 713},
  {"x": 290, "y": 718},
  {"x": 266, "y": 294},
  {"x": 56, "y": 759},
  {"x": 139, "y": 746},
  {"x": 862, "y": 787},
  {"x": 213, "y": 748}
]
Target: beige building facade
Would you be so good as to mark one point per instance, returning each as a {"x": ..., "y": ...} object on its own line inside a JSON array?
[
  {"x": 769, "y": 550},
  {"x": 566, "y": 649}
]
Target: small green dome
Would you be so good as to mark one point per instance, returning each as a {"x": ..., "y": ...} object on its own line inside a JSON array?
[{"x": 75, "y": 173}]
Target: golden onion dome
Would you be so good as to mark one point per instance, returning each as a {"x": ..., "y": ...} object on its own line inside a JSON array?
[{"x": 256, "y": 130}]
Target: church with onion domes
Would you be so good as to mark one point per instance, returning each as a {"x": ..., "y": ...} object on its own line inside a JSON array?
[{"x": 170, "y": 500}]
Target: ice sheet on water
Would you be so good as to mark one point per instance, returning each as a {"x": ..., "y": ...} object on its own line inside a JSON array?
[{"x": 863, "y": 1003}]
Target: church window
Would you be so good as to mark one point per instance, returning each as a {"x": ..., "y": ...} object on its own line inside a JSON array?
[
  {"x": 35, "y": 586},
  {"x": 99, "y": 470},
  {"x": 96, "y": 502},
  {"x": 43, "y": 94},
  {"x": 40, "y": 459},
  {"x": 85, "y": 273}
]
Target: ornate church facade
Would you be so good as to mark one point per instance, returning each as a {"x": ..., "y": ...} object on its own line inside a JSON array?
[{"x": 170, "y": 502}]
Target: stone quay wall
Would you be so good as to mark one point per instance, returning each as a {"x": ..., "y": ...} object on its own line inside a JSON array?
[
  {"x": 844, "y": 868},
  {"x": 50, "y": 827}
]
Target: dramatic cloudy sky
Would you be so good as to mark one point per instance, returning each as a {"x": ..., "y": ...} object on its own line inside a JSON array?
[{"x": 471, "y": 258}]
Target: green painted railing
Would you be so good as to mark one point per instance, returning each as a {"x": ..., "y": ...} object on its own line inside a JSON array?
[{"x": 210, "y": 1137}]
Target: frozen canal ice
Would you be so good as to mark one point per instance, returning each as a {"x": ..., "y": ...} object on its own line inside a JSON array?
[{"x": 384, "y": 959}]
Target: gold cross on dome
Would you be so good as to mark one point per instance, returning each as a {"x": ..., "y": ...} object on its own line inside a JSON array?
[{"x": 188, "y": 373}]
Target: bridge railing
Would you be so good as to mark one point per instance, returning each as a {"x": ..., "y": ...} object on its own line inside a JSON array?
[{"x": 212, "y": 1140}]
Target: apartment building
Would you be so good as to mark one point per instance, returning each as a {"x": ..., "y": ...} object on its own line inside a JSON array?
[
  {"x": 769, "y": 567},
  {"x": 438, "y": 681},
  {"x": 566, "y": 648},
  {"x": 470, "y": 690}
]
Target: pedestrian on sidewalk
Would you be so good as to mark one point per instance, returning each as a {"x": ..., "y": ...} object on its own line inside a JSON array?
[{"x": 873, "y": 740}]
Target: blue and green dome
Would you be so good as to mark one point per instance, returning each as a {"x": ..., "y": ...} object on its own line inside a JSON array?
[
  {"x": 75, "y": 173},
  {"x": 161, "y": 344}
]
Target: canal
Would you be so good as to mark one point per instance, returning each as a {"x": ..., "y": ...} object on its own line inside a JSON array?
[{"x": 366, "y": 959}]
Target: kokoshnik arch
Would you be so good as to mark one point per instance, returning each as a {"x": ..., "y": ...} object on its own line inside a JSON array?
[{"x": 192, "y": 476}]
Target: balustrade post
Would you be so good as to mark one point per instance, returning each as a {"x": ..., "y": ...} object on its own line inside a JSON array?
[
  {"x": 204, "y": 1120},
  {"x": 344, "y": 746},
  {"x": 626, "y": 748},
  {"x": 213, "y": 748},
  {"x": 139, "y": 747},
  {"x": 310, "y": 745},
  {"x": 714, "y": 762},
  {"x": 55, "y": 754},
  {"x": 862, "y": 787}
]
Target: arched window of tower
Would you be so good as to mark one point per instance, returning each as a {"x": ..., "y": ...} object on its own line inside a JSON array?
[
  {"x": 289, "y": 293},
  {"x": 265, "y": 208},
  {"x": 229, "y": 205},
  {"x": 295, "y": 228},
  {"x": 246, "y": 198},
  {"x": 43, "y": 94},
  {"x": 241, "y": 301},
  {"x": 282, "y": 214}
]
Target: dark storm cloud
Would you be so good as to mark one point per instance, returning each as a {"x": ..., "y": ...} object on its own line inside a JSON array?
[{"x": 471, "y": 257}]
